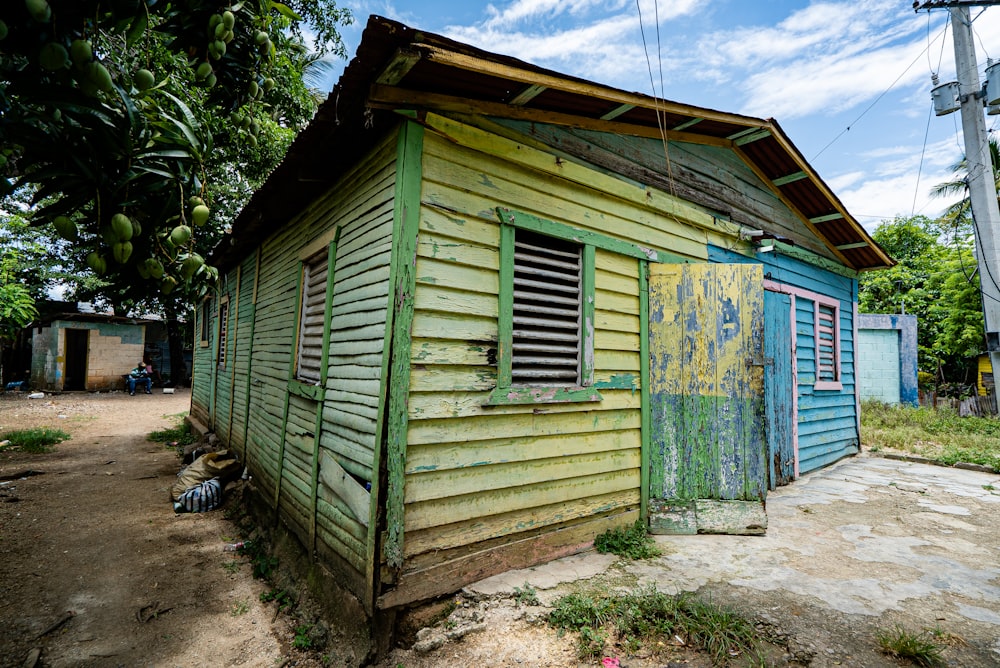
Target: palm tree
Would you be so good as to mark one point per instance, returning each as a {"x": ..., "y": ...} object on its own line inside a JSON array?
[{"x": 959, "y": 211}]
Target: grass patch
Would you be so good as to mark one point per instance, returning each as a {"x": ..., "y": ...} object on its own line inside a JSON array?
[
  {"x": 526, "y": 595},
  {"x": 940, "y": 435},
  {"x": 35, "y": 441},
  {"x": 917, "y": 648},
  {"x": 649, "y": 618},
  {"x": 632, "y": 542},
  {"x": 181, "y": 434}
]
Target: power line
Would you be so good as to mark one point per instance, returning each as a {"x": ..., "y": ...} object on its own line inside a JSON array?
[{"x": 870, "y": 106}]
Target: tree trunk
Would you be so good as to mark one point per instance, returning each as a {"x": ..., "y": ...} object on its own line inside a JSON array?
[{"x": 175, "y": 339}]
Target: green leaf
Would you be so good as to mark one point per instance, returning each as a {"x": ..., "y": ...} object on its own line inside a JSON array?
[
  {"x": 138, "y": 27},
  {"x": 284, "y": 10}
]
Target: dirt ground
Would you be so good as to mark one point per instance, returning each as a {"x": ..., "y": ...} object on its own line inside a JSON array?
[{"x": 97, "y": 570}]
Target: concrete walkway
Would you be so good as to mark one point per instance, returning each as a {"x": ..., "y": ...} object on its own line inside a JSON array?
[{"x": 866, "y": 542}]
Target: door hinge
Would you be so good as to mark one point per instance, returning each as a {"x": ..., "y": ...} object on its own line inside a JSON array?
[{"x": 760, "y": 361}]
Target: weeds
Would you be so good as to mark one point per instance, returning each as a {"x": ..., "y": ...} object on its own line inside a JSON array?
[
  {"x": 263, "y": 563},
  {"x": 280, "y": 596},
  {"x": 917, "y": 648},
  {"x": 302, "y": 639},
  {"x": 240, "y": 608},
  {"x": 526, "y": 595},
  {"x": 178, "y": 436},
  {"x": 231, "y": 567},
  {"x": 649, "y": 617},
  {"x": 36, "y": 441},
  {"x": 632, "y": 542},
  {"x": 940, "y": 435}
]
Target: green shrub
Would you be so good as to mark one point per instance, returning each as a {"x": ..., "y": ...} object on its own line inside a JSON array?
[
  {"x": 35, "y": 441},
  {"x": 632, "y": 542}
]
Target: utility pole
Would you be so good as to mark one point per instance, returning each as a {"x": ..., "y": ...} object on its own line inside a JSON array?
[{"x": 982, "y": 186}]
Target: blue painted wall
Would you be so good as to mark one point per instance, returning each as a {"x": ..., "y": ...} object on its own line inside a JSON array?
[
  {"x": 872, "y": 330},
  {"x": 826, "y": 420}
]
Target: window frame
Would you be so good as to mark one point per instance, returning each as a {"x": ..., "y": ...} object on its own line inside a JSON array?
[
  {"x": 836, "y": 366},
  {"x": 505, "y": 392},
  {"x": 320, "y": 308},
  {"x": 205, "y": 331},
  {"x": 222, "y": 338}
]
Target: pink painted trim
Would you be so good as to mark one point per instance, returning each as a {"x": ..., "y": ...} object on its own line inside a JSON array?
[
  {"x": 817, "y": 300},
  {"x": 857, "y": 395},
  {"x": 795, "y": 390}
]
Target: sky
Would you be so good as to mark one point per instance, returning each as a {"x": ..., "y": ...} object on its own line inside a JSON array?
[{"x": 848, "y": 81}]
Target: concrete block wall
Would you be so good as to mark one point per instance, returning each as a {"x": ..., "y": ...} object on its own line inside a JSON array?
[
  {"x": 110, "y": 355},
  {"x": 877, "y": 334},
  {"x": 878, "y": 365}
]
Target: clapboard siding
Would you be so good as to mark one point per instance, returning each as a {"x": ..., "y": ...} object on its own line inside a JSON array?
[
  {"x": 476, "y": 472},
  {"x": 712, "y": 176},
  {"x": 243, "y": 342}
]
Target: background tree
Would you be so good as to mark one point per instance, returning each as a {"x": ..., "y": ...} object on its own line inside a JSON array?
[
  {"x": 935, "y": 280},
  {"x": 138, "y": 128}
]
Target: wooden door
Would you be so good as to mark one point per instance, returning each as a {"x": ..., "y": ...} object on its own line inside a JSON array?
[
  {"x": 779, "y": 388},
  {"x": 708, "y": 469}
]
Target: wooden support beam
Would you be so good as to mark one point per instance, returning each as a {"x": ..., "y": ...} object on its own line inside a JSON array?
[
  {"x": 686, "y": 124},
  {"x": 398, "y": 67},
  {"x": 789, "y": 178},
  {"x": 389, "y": 97},
  {"x": 527, "y": 95},
  {"x": 482, "y": 66},
  {"x": 859, "y": 244},
  {"x": 763, "y": 133},
  {"x": 617, "y": 111},
  {"x": 827, "y": 218}
]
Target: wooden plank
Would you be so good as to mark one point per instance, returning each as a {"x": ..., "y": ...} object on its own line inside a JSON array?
[
  {"x": 423, "y": 548},
  {"x": 480, "y": 331},
  {"x": 457, "y": 455},
  {"x": 466, "y": 251},
  {"x": 450, "y": 352},
  {"x": 406, "y": 224},
  {"x": 457, "y": 404},
  {"x": 523, "y": 425},
  {"x": 450, "y": 576},
  {"x": 434, "y": 272},
  {"x": 456, "y": 509},
  {"x": 338, "y": 481},
  {"x": 448, "y": 300},
  {"x": 386, "y": 97},
  {"x": 444, "y": 483}
]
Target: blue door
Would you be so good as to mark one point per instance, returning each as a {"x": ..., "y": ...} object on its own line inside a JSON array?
[{"x": 779, "y": 388}]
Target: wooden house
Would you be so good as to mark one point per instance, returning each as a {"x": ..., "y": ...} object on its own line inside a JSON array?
[{"x": 483, "y": 312}]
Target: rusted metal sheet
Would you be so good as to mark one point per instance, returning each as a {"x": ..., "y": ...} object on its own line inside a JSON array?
[{"x": 707, "y": 398}]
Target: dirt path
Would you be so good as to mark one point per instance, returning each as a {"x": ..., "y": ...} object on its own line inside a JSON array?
[
  {"x": 93, "y": 542},
  {"x": 97, "y": 570}
]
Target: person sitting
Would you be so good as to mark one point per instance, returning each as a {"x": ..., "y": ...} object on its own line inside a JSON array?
[{"x": 139, "y": 376}]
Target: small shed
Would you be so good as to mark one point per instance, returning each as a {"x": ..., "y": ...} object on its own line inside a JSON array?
[
  {"x": 887, "y": 358},
  {"x": 76, "y": 350},
  {"x": 484, "y": 311}
]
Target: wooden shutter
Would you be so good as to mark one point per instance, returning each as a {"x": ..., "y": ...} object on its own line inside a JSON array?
[
  {"x": 547, "y": 288},
  {"x": 827, "y": 369},
  {"x": 313, "y": 316},
  {"x": 223, "y": 331}
]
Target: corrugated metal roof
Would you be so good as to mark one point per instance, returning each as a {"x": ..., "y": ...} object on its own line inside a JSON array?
[{"x": 398, "y": 67}]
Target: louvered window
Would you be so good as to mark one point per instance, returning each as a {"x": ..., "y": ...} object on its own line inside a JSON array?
[
  {"x": 826, "y": 336},
  {"x": 826, "y": 345},
  {"x": 313, "y": 316},
  {"x": 223, "y": 332},
  {"x": 546, "y": 311}
]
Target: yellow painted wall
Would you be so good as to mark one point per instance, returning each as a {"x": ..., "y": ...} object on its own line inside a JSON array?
[
  {"x": 477, "y": 472},
  {"x": 985, "y": 366}
]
